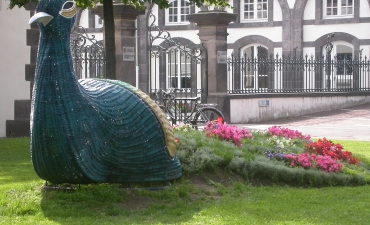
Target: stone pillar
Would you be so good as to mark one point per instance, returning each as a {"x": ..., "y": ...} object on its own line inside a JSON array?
[
  {"x": 287, "y": 28},
  {"x": 292, "y": 40},
  {"x": 213, "y": 34},
  {"x": 125, "y": 40}
]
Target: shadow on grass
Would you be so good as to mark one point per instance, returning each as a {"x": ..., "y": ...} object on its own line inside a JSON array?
[
  {"x": 93, "y": 204},
  {"x": 109, "y": 204}
]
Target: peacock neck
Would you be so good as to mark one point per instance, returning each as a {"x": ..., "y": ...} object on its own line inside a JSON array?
[
  {"x": 55, "y": 77},
  {"x": 54, "y": 55}
]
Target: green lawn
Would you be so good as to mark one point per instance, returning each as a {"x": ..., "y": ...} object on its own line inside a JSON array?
[{"x": 23, "y": 202}]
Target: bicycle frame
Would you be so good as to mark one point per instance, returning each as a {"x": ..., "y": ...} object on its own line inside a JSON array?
[
  {"x": 178, "y": 109},
  {"x": 186, "y": 110}
]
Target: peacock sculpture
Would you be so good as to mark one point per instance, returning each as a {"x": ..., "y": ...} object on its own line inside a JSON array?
[{"x": 91, "y": 130}]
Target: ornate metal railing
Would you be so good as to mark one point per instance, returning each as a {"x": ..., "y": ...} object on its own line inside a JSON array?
[
  {"x": 302, "y": 74},
  {"x": 292, "y": 74},
  {"x": 88, "y": 55}
]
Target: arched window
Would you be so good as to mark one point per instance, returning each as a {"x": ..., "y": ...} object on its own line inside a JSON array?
[
  {"x": 178, "y": 12},
  {"x": 254, "y": 72},
  {"x": 341, "y": 71}
]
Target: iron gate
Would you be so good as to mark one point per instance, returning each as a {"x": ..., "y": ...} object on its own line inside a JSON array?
[
  {"x": 88, "y": 55},
  {"x": 174, "y": 64}
]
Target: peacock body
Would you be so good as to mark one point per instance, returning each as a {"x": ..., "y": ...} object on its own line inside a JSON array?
[{"x": 91, "y": 130}]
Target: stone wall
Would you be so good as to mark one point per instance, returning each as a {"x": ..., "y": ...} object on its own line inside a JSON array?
[{"x": 257, "y": 108}]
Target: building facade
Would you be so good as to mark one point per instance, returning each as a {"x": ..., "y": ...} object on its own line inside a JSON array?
[
  {"x": 262, "y": 29},
  {"x": 14, "y": 54}
]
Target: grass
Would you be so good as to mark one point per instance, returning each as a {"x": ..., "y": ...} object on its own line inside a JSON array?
[{"x": 200, "y": 198}]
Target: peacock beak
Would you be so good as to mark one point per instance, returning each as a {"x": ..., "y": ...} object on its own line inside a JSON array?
[{"x": 41, "y": 17}]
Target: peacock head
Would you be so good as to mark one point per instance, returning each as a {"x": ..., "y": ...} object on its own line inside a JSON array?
[{"x": 52, "y": 11}]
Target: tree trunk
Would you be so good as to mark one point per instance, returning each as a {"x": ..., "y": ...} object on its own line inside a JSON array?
[{"x": 110, "y": 48}]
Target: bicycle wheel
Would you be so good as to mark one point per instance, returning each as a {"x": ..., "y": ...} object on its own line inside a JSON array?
[{"x": 206, "y": 115}]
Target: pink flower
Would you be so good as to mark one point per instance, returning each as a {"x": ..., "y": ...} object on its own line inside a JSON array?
[
  {"x": 227, "y": 132},
  {"x": 327, "y": 164},
  {"x": 307, "y": 161},
  {"x": 286, "y": 132}
]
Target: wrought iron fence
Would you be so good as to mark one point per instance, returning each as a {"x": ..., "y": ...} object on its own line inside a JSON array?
[
  {"x": 88, "y": 55},
  {"x": 288, "y": 74}
]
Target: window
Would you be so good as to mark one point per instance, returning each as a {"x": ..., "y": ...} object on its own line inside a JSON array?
[
  {"x": 254, "y": 71},
  {"x": 341, "y": 74},
  {"x": 338, "y": 8},
  {"x": 254, "y": 10},
  {"x": 98, "y": 22},
  {"x": 178, "y": 69},
  {"x": 178, "y": 12},
  {"x": 343, "y": 65}
]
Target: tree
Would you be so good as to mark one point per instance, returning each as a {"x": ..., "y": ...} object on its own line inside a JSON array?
[
  {"x": 109, "y": 21},
  {"x": 109, "y": 40}
]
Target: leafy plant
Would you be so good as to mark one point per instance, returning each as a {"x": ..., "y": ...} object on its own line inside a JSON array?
[{"x": 198, "y": 160}]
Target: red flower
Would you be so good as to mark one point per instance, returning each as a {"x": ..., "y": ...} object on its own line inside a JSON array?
[
  {"x": 220, "y": 120},
  {"x": 177, "y": 141},
  {"x": 328, "y": 148}
]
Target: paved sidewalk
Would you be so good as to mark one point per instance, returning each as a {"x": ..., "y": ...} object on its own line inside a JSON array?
[{"x": 343, "y": 124}]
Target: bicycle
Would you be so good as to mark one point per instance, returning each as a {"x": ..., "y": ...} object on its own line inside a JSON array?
[{"x": 188, "y": 110}]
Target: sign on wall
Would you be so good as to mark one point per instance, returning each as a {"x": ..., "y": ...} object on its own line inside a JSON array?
[
  {"x": 221, "y": 56},
  {"x": 128, "y": 53},
  {"x": 263, "y": 103}
]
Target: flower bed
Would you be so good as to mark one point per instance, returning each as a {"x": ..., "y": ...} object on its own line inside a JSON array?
[{"x": 277, "y": 154}]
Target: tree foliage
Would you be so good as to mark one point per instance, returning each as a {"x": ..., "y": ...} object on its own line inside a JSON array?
[{"x": 84, "y": 4}]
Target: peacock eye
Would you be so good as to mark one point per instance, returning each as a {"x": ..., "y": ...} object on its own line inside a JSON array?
[
  {"x": 68, "y": 9},
  {"x": 68, "y": 5}
]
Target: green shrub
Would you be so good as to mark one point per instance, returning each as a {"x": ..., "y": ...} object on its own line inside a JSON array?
[
  {"x": 211, "y": 151},
  {"x": 198, "y": 160}
]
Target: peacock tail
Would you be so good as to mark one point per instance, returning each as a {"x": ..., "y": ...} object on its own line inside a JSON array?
[{"x": 91, "y": 130}]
